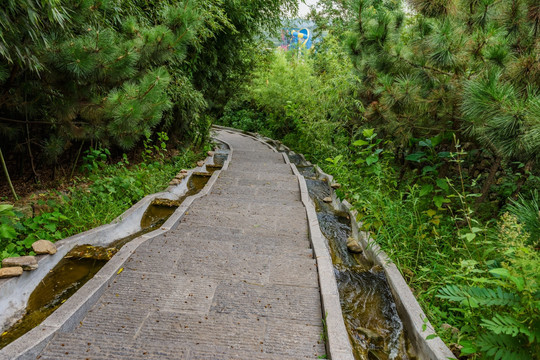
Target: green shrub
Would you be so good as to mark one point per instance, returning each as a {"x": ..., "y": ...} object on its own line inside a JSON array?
[{"x": 97, "y": 199}]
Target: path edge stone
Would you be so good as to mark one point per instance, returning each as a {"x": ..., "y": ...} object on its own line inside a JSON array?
[
  {"x": 410, "y": 311},
  {"x": 67, "y": 316}
]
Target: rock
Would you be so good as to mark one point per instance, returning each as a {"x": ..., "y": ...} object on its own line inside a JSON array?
[
  {"x": 26, "y": 262},
  {"x": 353, "y": 245},
  {"x": 200, "y": 163},
  {"x": 453, "y": 329},
  {"x": 213, "y": 167},
  {"x": 180, "y": 176},
  {"x": 327, "y": 199},
  {"x": 10, "y": 272},
  {"x": 335, "y": 185},
  {"x": 370, "y": 334},
  {"x": 210, "y": 153},
  {"x": 408, "y": 273},
  {"x": 166, "y": 202},
  {"x": 92, "y": 252},
  {"x": 183, "y": 171},
  {"x": 44, "y": 247},
  {"x": 175, "y": 181}
]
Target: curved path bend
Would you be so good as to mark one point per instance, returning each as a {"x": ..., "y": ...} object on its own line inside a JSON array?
[{"x": 235, "y": 280}]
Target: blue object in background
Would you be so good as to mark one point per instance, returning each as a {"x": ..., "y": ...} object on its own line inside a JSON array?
[{"x": 295, "y": 38}]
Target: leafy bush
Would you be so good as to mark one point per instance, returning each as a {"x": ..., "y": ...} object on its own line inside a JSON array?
[
  {"x": 498, "y": 300},
  {"x": 527, "y": 211},
  {"x": 107, "y": 192}
]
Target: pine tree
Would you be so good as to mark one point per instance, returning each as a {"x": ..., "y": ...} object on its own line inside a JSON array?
[
  {"x": 467, "y": 67},
  {"x": 109, "y": 72}
]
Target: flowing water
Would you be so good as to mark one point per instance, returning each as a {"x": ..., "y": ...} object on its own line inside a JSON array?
[
  {"x": 84, "y": 261},
  {"x": 369, "y": 311}
]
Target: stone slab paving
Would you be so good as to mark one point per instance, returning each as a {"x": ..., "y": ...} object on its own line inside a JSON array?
[{"x": 235, "y": 280}]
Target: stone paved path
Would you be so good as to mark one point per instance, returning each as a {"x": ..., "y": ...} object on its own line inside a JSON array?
[{"x": 235, "y": 280}]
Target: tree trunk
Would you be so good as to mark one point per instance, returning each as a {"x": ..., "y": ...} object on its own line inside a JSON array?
[
  {"x": 76, "y": 160},
  {"x": 7, "y": 176},
  {"x": 28, "y": 137},
  {"x": 490, "y": 179}
]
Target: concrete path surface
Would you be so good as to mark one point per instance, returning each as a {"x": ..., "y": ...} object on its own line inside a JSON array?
[{"x": 235, "y": 280}]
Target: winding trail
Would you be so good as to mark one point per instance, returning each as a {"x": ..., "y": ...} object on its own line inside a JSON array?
[{"x": 235, "y": 280}]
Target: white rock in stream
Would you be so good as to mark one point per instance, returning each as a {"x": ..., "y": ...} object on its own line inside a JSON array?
[
  {"x": 353, "y": 245},
  {"x": 44, "y": 247}
]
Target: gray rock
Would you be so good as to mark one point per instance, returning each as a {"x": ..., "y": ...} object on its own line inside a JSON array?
[
  {"x": 370, "y": 334},
  {"x": 353, "y": 245},
  {"x": 44, "y": 247},
  {"x": 26, "y": 262},
  {"x": 8, "y": 272},
  {"x": 453, "y": 329}
]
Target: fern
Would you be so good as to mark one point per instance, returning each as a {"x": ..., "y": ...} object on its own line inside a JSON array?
[
  {"x": 502, "y": 347},
  {"x": 505, "y": 324},
  {"x": 476, "y": 296}
]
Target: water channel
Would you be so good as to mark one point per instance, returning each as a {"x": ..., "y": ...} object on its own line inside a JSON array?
[
  {"x": 371, "y": 318},
  {"x": 83, "y": 262}
]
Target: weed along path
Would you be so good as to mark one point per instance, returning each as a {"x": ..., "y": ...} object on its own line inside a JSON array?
[{"x": 236, "y": 279}]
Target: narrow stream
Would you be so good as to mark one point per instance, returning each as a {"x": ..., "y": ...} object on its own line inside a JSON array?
[
  {"x": 375, "y": 329},
  {"x": 84, "y": 261}
]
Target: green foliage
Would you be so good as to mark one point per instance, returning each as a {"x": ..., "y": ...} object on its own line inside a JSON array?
[
  {"x": 110, "y": 72},
  {"x": 95, "y": 159},
  {"x": 245, "y": 119},
  {"x": 527, "y": 211},
  {"x": 106, "y": 193},
  {"x": 502, "y": 300},
  {"x": 18, "y": 233}
]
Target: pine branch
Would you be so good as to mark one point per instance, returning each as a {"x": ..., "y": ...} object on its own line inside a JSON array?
[
  {"x": 426, "y": 67},
  {"x": 23, "y": 121}
]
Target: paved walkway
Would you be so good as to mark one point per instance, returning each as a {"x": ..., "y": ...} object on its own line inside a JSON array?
[{"x": 235, "y": 280}]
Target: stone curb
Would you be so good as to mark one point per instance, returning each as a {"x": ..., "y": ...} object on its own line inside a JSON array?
[
  {"x": 338, "y": 346},
  {"x": 67, "y": 316},
  {"x": 414, "y": 319}
]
